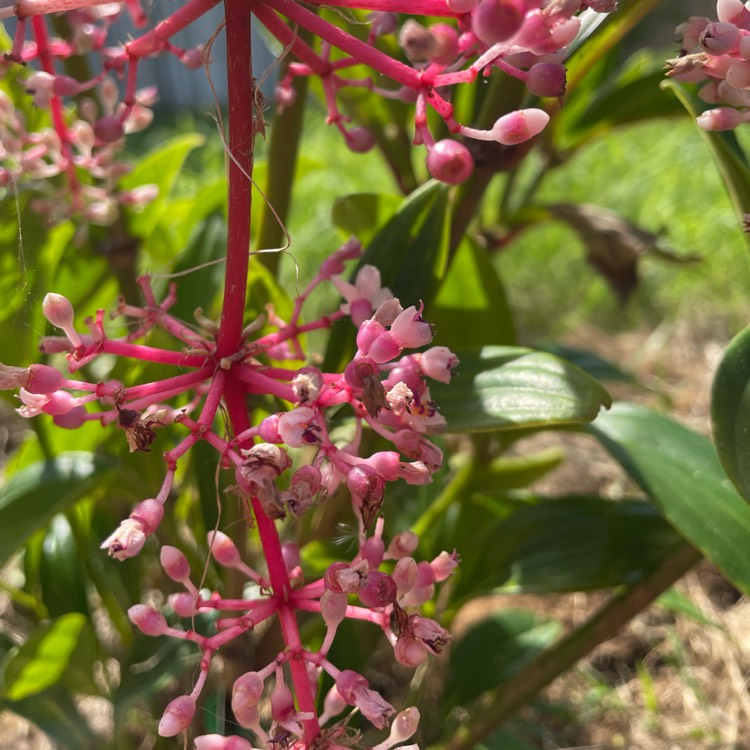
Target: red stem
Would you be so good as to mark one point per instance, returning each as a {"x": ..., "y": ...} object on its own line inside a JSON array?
[{"x": 241, "y": 135}]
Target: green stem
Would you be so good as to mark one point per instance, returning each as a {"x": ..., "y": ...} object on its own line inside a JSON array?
[{"x": 600, "y": 627}]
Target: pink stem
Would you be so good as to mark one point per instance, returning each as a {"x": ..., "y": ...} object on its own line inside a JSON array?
[{"x": 415, "y": 7}]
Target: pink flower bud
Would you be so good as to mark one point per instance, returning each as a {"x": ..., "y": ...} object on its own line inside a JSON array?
[
  {"x": 268, "y": 429},
  {"x": 385, "y": 463},
  {"x": 380, "y": 590},
  {"x": 177, "y": 717},
  {"x": 722, "y": 118},
  {"x": 246, "y": 693},
  {"x": 147, "y": 620},
  {"x": 416, "y": 41},
  {"x": 175, "y": 564},
  {"x": 519, "y": 126},
  {"x": 43, "y": 379},
  {"x": 404, "y": 725},
  {"x": 495, "y": 21},
  {"x": 450, "y": 161},
  {"x": 368, "y": 332},
  {"x": 192, "y": 59},
  {"x": 738, "y": 75},
  {"x": 446, "y": 44},
  {"x": 425, "y": 574},
  {"x": 282, "y": 702},
  {"x": 360, "y": 371},
  {"x": 183, "y": 604},
  {"x": 373, "y": 551},
  {"x": 365, "y": 483},
  {"x": 410, "y": 652},
  {"x": 546, "y": 79},
  {"x": 730, "y": 10},
  {"x": 720, "y": 38},
  {"x": 297, "y": 428},
  {"x": 223, "y": 549},
  {"x": 290, "y": 552},
  {"x": 66, "y": 86},
  {"x": 58, "y": 311},
  {"x": 405, "y": 574},
  {"x": 359, "y": 140},
  {"x": 348, "y": 682},
  {"x": 333, "y": 608},
  {"x": 402, "y": 545},
  {"x": 109, "y": 129},
  {"x": 71, "y": 420}
]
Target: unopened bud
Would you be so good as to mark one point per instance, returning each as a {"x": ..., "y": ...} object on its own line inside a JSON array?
[
  {"x": 359, "y": 140},
  {"x": 42, "y": 379},
  {"x": 495, "y": 21},
  {"x": 109, "y": 129},
  {"x": 333, "y": 608},
  {"x": 177, "y": 717},
  {"x": 147, "y": 620},
  {"x": 223, "y": 549},
  {"x": 380, "y": 590},
  {"x": 175, "y": 564}
]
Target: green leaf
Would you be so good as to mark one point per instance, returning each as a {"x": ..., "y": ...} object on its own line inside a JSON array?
[
  {"x": 362, "y": 214},
  {"x": 730, "y": 411},
  {"x": 493, "y": 650},
  {"x": 728, "y": 155},
  {"x": 574, "y": 543},
  {"x": 161, "y": 168},
  {"x": 471, "y": 308},
  {"x": 504, "y": 388},
  {"x": 680, "y": 472},
  {"x": 42, "y": 661},
  {"x": 590, "y": 362},
  {"x": 30, "y": 498}
]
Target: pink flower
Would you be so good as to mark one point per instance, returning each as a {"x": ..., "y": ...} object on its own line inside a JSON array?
[{"x": 364, "y": 296}]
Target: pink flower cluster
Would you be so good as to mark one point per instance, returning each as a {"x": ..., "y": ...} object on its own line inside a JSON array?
[
  {"x": 286, "y": 464},
  {"x": 526, "y": 39},
  {"x": 717, "y": 54}
]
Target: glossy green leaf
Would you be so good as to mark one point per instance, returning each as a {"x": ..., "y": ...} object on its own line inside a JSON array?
[
  {"x": 30, "y": 498},
  {"x": 680, "y": 472},
  {"x": 729, "y": 157},
  {"x": 471, "y": 308},
  {"x": 573, "y": 543},
  {"x": 730, "y": 412},
  {"x": 42, "y": 661},
  {"x": 493, "y": 650},
  {"x": 362, "y": 214},
  {"x": 161, "y": 168},
  {"x": 504, "y": 388}
]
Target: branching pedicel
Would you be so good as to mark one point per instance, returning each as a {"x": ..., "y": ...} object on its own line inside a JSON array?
[{"x": 384, "y": 386}]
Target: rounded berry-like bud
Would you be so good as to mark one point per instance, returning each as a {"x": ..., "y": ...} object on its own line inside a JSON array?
[
  {"x": 738, "y": 75},
  {"x": 450, "y": 161},
  {"x": 410, "y": 652},
  {"x": 405, "y": 574},
  {"x": 546, "y": 79},
  {"x": 71, "y": 420},
  {"x": 380, "y": 590},
  {"x": 519, "y": 126},
  {"x": 175, "y": 564},
  {"x": 720, "y": 38},
  {"x": 147, "y": 620},
  {"x": 58, "y": 310},
  {"x": 416, "y": 41},
  {"x": 382, "y": 23},
  {"x": 359, "y": 140},
  {"x": 193, "y": 58},
  {"x": 246, "y": 693},
  {"x": 183, "y": 604},
  {"x": 43, "y": 379},
  {"x": 177, "y": 717},
  {"x": 268, "y": 429},
  {"x": 373, "y": 550},
  {"x": 223, "y": 549},
  {"x": 729, "y": 10},
  {"x": 446, "y": 44},
  {"x": 495, "y": 21},
  {"x": 109, "y": 129},
  {"x": 722, "y": 118},
  {"x": 404, "y": 725},
  {"x": 333, "y": 608}
]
